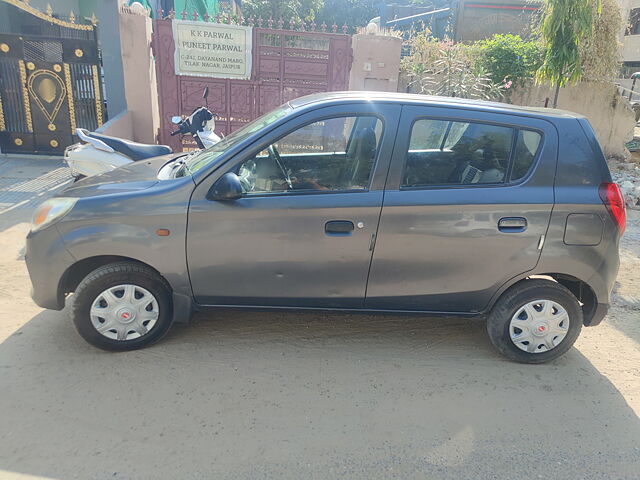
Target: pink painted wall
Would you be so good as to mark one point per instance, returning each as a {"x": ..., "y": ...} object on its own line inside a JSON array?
[
  {"x": 141, "y": 89},
  {"x": 376, "y": 63}
]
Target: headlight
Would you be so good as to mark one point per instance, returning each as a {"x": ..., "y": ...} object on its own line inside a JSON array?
[{"x": 51, "y": 211}]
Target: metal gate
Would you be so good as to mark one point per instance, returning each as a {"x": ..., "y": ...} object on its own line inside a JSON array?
[
  {"x": 286, "y": 64},
  {"x": 49, "y": 79}
]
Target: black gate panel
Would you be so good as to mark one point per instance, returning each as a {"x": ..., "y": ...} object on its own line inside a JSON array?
[{"x": 49, "y": 80}]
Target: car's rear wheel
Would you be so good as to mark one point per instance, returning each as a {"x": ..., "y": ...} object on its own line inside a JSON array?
[
  {"x": 122, "y": 306},
  {"x": 535, "y": 321}
]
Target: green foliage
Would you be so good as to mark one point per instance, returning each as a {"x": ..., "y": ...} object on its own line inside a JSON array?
[
  {"x": 508, "y": 58},
  {"x": 445, "y": 68},
  {"x": 282, "y": 9},
  {"x": 350, "y": 12},
  {"x": 425, "y": 50},
  {"x": 566, "y": 26},
  {"x": 578, "y": 39}
]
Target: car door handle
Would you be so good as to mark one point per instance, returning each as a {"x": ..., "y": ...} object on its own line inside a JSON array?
[
  {"x": 339, "y": 227},
  {"x": 512, "y": 224}
]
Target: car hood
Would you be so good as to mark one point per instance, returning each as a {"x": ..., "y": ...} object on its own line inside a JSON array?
[{"x": 133, "y": 177}]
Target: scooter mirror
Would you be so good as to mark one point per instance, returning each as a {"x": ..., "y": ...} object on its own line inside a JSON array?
[
  {"x": 176, "y": 120},
  {"x": 205, "y": 95}
]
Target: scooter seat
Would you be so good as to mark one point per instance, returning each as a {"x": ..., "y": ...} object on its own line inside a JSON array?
[{"x": 135, "y": 151}]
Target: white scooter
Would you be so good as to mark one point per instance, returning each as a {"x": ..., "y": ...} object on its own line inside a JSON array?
[{"x": 97, "y": 153}]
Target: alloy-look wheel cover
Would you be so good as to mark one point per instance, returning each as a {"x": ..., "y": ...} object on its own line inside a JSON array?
[
  {"x": 124, "y": 312},
  {"x": 539, "y": 326}
]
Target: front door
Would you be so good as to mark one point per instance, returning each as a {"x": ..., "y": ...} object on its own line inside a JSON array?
[
  {"x": 467, "y": 204},
  {"x": 302, "y": 234}
]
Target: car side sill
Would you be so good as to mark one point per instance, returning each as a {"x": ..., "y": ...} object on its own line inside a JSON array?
[{"x": 345, "y": 310}]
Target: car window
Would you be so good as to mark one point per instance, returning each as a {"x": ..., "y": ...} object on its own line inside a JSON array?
[
  {"x": 436, "y": 134},
  {"x": 328, "y": 155},
  {"x": 203, "y": 158},
  {"x": 443, "y": 152},
  {"x": 526, "y": 147}
]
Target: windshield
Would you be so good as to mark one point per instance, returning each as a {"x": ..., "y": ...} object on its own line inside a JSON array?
[{"x": 201, "y": 159}]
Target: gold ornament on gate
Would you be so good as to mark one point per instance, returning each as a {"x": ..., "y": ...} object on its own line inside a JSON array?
[
  {"x": 57, "y": 68},
  {"x": 30, "y": 66},
  {"x": 49, "y": 16},
  {"x": 48, "y": 92},
  {"x": 79, "y": 52},
  {"x": 18, "y": 141},
  {"x": 53, "y": 143},
  {"x": 4, "y": 47},
  {"x": 70, "y": 104}
]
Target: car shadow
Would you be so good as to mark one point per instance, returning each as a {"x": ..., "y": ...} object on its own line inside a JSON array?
[
  {"x": 624, "y": 314},
  {"x": 625, "y": 297},
  {"x": 305, "y": 395}
]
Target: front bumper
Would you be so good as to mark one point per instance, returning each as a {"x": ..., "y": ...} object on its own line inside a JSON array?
[{"x": 47, "y": 261}]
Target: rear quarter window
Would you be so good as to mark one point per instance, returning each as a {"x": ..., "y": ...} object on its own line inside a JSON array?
[{"x": 527, "y": 145}]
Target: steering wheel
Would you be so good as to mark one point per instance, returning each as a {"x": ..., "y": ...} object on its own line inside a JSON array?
[{"x": 275, "y": 156}]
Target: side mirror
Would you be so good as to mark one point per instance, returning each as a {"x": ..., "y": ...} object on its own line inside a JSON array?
[
  {"x": 227, "y": 187},
  {"x": 176, "y": 120},
  {"x": 205, "y": 94}
]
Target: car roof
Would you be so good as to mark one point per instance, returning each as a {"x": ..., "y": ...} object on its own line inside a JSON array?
[{"x": 328, "y": 98}]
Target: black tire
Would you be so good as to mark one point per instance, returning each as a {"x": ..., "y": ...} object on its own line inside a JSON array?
[
  {"x": 112, "y": 275},
  {"x": 521, "y": 294}
]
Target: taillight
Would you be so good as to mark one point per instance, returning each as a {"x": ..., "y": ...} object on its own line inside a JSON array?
[{"x": 614, "y": 201}]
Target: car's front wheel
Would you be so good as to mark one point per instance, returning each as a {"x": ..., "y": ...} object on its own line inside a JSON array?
[
  {"x": 122, "y": 306},
  {"x": 535, "y": 321}
]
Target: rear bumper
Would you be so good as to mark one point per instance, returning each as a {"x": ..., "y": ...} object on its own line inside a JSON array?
[
  {"x": 598, "y": 315},
  {"x": 47, "y": 260},
  {"x": 602, "y": 283}
]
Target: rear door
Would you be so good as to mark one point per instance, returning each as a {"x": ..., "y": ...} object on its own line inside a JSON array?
[{"x": 467, "y": 203}]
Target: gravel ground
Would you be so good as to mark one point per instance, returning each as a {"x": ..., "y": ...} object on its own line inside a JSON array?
[
  {"x": 627, "y": 176},
  {"x": 239, "y": 395}
]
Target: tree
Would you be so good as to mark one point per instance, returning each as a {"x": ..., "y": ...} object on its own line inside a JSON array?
[
  {"x": 306, "y": 10},
  {"x": 601, "y": 52},
  {"x": 509, "y": 57},
  {"x": 349, "y": 12},
  {"x": 566, "y": 25}
]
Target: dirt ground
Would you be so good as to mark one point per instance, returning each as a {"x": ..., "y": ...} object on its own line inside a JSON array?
[{"x": 312, "y": 396}]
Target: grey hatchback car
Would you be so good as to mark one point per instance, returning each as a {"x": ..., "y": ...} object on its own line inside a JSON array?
[{"x": 352, "y": 201}]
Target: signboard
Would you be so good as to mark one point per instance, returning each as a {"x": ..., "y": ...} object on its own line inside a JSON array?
[{"x": 212, "y": 49}]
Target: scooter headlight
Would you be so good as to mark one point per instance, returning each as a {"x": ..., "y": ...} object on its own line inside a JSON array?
[{"x": 51, "y": 211}]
